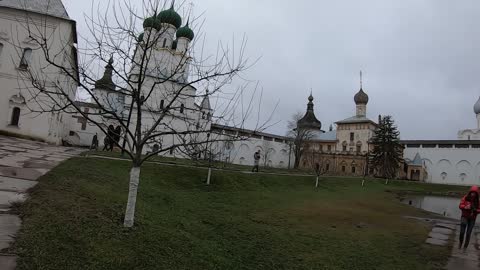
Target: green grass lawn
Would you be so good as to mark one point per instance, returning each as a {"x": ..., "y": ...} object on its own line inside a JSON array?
[
  {"x": 204, "y": 163},
  {"x": 242, "y": 221}
]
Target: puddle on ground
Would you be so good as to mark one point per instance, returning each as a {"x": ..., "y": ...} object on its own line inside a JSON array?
[{"x": 445, "y": 206}]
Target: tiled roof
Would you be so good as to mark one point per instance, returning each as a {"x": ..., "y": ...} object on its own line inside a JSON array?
[
  {"x": 205, "y": 103},
  {"x": 326, "y": 136},
  {"x": 53, "y": 8},
  {"x": 355, "y": 119},
  {"x": 417, "y": 161}
]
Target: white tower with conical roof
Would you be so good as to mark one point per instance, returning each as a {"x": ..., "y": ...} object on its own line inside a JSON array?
[
  {"x": 472, "y": 134},
  {"x": 476, "y": 110}
]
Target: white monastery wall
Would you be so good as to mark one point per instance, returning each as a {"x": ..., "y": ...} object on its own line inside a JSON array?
[{"x": 455, "y": 165}]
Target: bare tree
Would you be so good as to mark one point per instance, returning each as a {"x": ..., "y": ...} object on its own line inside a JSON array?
[
  {"x": 315, "y": 160},
  {"x": 154, "y": 78},
  {"x": 268, "y": 151},
  {"x": 300, "y": 137}
]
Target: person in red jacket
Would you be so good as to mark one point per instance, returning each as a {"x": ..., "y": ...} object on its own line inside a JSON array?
[{"x": 470, "y": 208}]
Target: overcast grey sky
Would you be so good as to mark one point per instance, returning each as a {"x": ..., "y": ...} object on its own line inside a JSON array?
[{"x": 420, "y": 58}]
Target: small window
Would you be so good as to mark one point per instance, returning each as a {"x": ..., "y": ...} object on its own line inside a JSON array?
[
  {"x": 343, "y": 168},
  {"x": 1, "y": 49},
  {"x": 344, "y": 148},
  {"x": 172, "y": 150},
  {"x": 182, "y": 108},
  {"x": 329, "y": 148},
  {"x": 327, "y": 167},
  {"x": 354, "y": 169},
  {"x": 15, "y": 116},
  {"x": 359, "y": 148},
  {"x": 164, "y": 42},
  {"x": 162, "y": 103},
  {"x": 71, "y": 133},
  {"x": 26, "y": 57},
  {"x": 352, "y": 136}
]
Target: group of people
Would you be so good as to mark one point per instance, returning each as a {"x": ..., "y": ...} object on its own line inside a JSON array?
[{"x": 111, "y": 139}]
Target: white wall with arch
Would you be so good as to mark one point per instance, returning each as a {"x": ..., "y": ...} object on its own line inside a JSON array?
[
  {"x": 454, "y": 165},
  {"x": 273, "y": 153}
]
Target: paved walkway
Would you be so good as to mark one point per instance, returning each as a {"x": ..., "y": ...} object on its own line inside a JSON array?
[
  {"x": 22, "y": 162},
  {"x": 464, "y": 260},
  {"x": 442, "y": 233}
]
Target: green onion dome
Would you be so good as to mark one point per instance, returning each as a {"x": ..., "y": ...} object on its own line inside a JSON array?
[
  {"x": 185, "y": 32},
  {"x": 140, "y": 37},
  {"x": 170, "y": 16},
  {"x": 151, "y": 22}
]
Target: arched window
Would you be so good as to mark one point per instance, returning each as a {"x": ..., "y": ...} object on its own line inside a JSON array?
[
  {"x": 26, "y": 57},
  {"x": 164, "y": 42},
  {"x": 15, "y": 116},
  {"x": 162, "y": 103},
  {"x": 182, "y": 108}
]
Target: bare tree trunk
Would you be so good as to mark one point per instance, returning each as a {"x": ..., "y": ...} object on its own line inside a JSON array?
[
  {"x": 316, "y": 182},
  {"x": 209, "y": 175},
  {"x": 132, "y": 197}
]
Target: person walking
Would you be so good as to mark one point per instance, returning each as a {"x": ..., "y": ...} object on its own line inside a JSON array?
[
  {"x": 469, "y": 206},
  {"x": 106, "y": 144},
  {"x": 111, "y": 137},
  {"x": 94, "y": 144},
  {"x": 256, "y": 161}
]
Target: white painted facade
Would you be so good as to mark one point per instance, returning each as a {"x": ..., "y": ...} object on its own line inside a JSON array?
[
  {"x": 448, "y": 162},
  {"x": 19, "y": 113},
  {"x": 275, "y": 151},
  {"x": 472, "y": 134}
]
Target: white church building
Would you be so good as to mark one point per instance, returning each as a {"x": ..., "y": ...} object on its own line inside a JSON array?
[
  {"x": 445, "y": 161},
  {"x": 19, "y": 114}
]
